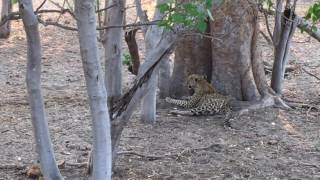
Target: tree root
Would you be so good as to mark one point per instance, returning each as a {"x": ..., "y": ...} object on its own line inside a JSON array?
[{"x": 269, "y": 100}]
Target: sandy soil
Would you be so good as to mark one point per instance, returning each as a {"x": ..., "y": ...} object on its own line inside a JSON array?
[{"x": 267, "y": 144}]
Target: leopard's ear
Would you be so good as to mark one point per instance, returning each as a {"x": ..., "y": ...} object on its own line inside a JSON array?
[
  {"x": 187, "y": 73},
  {"x": 204, "y": 76}
]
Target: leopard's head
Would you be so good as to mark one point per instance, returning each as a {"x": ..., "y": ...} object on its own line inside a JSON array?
[{"x": 199, "y": 84}]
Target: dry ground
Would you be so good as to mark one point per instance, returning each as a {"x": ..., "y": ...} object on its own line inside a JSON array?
[{"x": 267, "y": 144}]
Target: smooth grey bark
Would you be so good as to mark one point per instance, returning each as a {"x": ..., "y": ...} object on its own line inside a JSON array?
[
  {"x": 102, "y": 151},
  {"x": 157, "y": 54},
  {"x": 164, "y": 78},
  {"x": 153, "y": 39},
  {"x": 44, "y": 147},
  {"x": 165, "y": 66},
  {"x": 282, "y": 40},
  {"x": 142, "y": 15},
  {"x": 6, "y": 9},
  {"x": 112, "y": 43}
]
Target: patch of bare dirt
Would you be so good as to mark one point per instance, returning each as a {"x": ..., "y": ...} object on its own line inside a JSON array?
[{"x": 265, "y": 144}]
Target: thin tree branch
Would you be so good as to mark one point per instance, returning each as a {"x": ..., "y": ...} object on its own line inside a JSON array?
[
  {"x": 303, "y": 24},
  {"x": 10, "y": 16},
  {"x": 48, "y": 23},
  {"x": 106, "y": 8},
  {"x": 62, "y": 8},
  {"x": 38, "y": 8},
  {"x": 267, "y": 25},
  {"x": 129, "y": 25}
]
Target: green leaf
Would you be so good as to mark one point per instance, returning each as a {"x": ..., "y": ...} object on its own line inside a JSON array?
[
  {"x": 178, "y": 18},
  {"x": 303, "y": 28},
  {"x": 202, "y": 26},
  {"x": 163, "y": 7},
  {"x": 14, "y": 1},
  {"x": 314, "y": 28}
]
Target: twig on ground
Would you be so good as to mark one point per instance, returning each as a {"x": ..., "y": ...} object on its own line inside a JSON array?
[
  {"x": 266, "y": 37},
  {"x": 303, "y": 105},
  {"x": 13, "y": 166},
  {"x": 310, "y": 74}
]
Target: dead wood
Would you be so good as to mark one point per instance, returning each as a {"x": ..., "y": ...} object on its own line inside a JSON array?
[{"x": 130, "y": 37}]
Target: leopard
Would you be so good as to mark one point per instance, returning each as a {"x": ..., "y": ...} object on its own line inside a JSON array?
[{"x": 204, "y": 101}]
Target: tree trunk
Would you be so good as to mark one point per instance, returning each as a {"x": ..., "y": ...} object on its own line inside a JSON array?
[
  {"x": 153, "y": 38},
  {"x": 284, "y": 33},
  {"x": 102, "y": 151},
  {"x": 192, "y": 56},
  {"x": 112, "y": 43},
  {"x": 234, "y": 55},
  {"x": 6, "y": 9},
  {"x": 164, "y": 78},
  {"x": 164, "y": 48},
  {"x": 43, "y": 142}
]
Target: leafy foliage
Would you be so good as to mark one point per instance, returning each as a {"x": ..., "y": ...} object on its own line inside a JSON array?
[
  {"x": 14, "y": 1},
  {"x": 313, "y": 14},
  {"x": 127, "y": 59},
  {"x": 192, "y": 15},
  {"x": 266, "y": 4}
]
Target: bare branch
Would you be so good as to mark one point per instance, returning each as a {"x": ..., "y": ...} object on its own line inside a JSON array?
[
  {"x": 11, "y": 16},
  {"x": 48, "y": 23},
  {"x": 63, "y": 9},
  {"x": 106, "y": 8},
  {"x": 303, "y": 24},
  {"x": 38, "y": 8},
  {"x": 129, "y": 25},
  {"x": 267, "y": 25}
]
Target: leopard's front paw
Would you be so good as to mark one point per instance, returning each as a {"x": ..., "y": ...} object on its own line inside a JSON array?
[
  {"x": 168, "y": 99},
  {"x": 175, "y": 112}
]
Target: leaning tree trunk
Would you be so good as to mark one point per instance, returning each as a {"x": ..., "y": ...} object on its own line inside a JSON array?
[
  {"x": 112, "y": 42},
  {"x": 165, "y": 66},
  {"x": 192, "y": 56},
  {"x": 233, "y": 56},
  {"x": 153, "y": 38},
  {"x": 102, "y": 151},
  {"x": 6, "y": 9},
  {"x": 44, "y": 148}
]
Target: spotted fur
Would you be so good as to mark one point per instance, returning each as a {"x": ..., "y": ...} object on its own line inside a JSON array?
[{"x": 204, "y": 101}]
